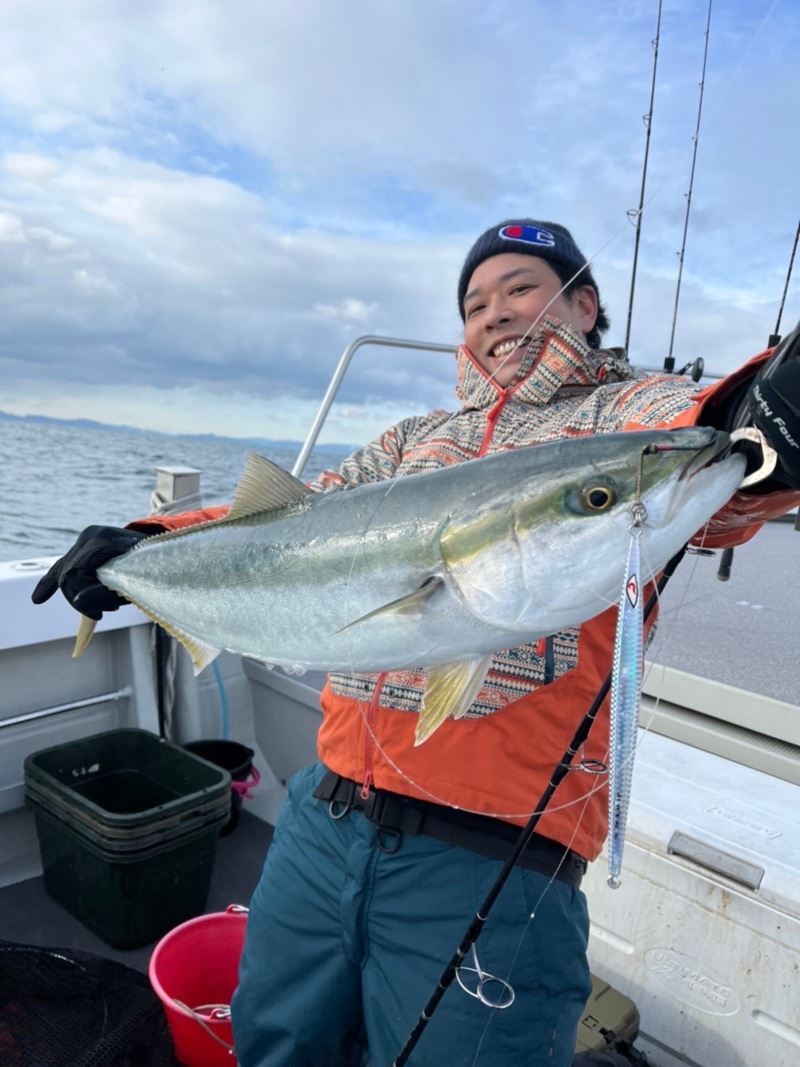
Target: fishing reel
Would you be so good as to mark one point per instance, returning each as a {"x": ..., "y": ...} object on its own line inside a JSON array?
[{"x": 788, "y": 348}]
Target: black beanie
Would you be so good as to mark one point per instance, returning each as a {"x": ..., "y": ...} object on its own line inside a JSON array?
[{"x": 547, "y": 240}]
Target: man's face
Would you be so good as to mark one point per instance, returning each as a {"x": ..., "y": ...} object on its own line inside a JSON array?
[{"x": 505, "y": 295}]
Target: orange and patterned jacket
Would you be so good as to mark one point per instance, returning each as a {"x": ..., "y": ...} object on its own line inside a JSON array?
[{"x": 498, "y": 759}]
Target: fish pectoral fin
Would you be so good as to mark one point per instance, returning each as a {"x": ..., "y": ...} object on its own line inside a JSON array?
[
  {"x": 83, "y": 636},
  {"x": 451, "y": 690},
  {"x": 264, "y": 486},
  {"x": 404, "y": 605}
]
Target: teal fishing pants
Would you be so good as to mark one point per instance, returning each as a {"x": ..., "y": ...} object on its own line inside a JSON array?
[{"x": 346, "y": 942}]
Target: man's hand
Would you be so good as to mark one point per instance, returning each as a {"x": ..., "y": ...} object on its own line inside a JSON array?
[
  {"x": 75, "y": 574},
  {"x": 774, "y": 403}
]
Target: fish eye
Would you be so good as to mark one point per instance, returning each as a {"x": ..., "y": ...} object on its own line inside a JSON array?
[{"x": 598, "y": 497}]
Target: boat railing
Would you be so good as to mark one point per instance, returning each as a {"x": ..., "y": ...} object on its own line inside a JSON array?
[
  {"x": 753, "y": 729},
  {"x": 338, "y": 376}
]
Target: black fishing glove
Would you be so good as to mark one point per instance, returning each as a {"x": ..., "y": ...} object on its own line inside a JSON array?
[
  {"x": 75, "y": 574},
  {"x": 774, "y": 403}
]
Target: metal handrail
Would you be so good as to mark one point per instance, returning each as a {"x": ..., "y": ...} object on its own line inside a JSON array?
[
  {"x": 336, "y": 381},
  {"x": 706, "y": 375},
  {"x": 73, "y": 705}
]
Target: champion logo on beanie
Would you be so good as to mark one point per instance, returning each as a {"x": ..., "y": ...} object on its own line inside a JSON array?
[
  {"x": 533, "y": 235},
  {"x": 547, "y": 240}
]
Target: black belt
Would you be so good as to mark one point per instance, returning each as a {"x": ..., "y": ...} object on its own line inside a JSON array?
[{"x": 394, "y": 815}]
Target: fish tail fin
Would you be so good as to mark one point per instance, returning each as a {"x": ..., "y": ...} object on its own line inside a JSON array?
[{"x": 83, "y": 636}]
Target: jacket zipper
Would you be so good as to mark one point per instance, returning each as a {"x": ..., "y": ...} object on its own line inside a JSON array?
[
  {"x": 492, "y": 415},
  {"x": 369, "y": 745}
]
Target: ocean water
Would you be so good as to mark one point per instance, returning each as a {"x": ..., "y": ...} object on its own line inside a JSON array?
[{"x": 55, "y": 480}]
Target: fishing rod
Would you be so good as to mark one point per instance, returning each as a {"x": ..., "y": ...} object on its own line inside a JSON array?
[
  {"x": 669, "y": 362},
  {"x": 775, "y": 337},
  {"x": 563, "y": 767},
  {"x": 637, "y": 213}
]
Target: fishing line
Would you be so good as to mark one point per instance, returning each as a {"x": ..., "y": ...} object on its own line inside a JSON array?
[
  {"x": 775, "y": 338},
  {"x": 530, "y": 919},
  {"x": 662, "y": 630},
  {"x": 734, "y": 76}
]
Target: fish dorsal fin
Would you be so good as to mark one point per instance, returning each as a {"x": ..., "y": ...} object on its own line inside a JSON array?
[
  {"x": 264, "y": 486},
  {"x": 411, "y": 604},
  {"x": 451, "y": 690}
]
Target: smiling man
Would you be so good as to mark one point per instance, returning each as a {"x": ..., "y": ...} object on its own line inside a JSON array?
[
  {"x": 509, "y": 293},
  {"x": 515, "y": 274}
]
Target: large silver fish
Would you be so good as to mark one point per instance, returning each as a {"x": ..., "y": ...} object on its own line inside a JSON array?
[{"x": 436, "y": 570}]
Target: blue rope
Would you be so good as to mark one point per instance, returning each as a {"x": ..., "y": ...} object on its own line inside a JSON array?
[{"x": 223, "y": 700}]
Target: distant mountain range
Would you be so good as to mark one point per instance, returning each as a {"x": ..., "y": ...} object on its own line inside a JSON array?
[{"x": 91, "y": 424}]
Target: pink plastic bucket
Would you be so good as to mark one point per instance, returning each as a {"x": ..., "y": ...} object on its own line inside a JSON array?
[{"x": 194, "y": 970}]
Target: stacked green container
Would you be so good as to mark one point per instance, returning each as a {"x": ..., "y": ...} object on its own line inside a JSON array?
[{"x": 128, "y": 826}]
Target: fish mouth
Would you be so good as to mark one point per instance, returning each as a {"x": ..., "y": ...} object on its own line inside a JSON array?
[
  {"x": 700, "y": 471},
  {"x": 715, "y": 449}
]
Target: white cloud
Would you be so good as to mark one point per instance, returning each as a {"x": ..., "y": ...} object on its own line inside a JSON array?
[
  {"x": 348, "y": 310},
  {"x": 210, "y": 202},
  {"x": 31, "y": 166},
  {"x": 11, "y": 231}
]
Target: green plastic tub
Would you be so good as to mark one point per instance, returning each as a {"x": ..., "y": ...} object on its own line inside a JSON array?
[
  {"x": 128, "y": 826},
  {"x": 129, "y": 899}
]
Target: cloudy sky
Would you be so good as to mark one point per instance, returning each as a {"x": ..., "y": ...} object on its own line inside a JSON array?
[{"x": 203, "y": 202}]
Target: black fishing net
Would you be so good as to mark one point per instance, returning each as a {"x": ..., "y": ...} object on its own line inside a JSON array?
[{"x": 66, "y": 1008}]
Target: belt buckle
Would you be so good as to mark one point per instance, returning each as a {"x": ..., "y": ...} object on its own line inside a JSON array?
[
  {"x": 340, "y": 797},
  {"x": 387, "y": 837},
  {"x": 337, "y": 809}
]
